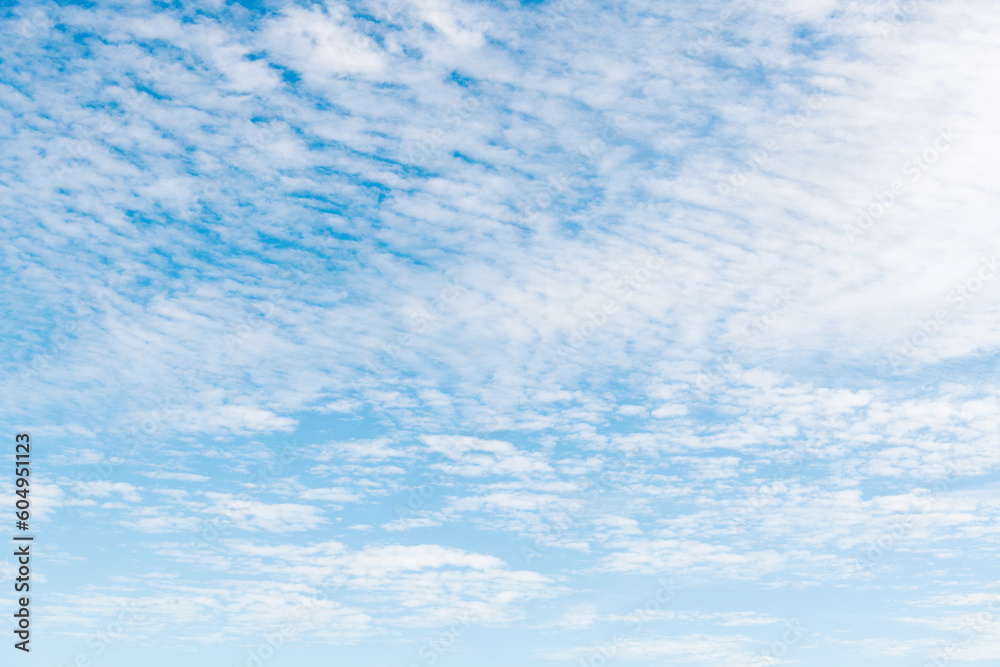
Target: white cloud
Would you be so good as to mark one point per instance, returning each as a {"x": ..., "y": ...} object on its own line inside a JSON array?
[
  {"x": 582, "y": 615},
  {"x": 249, "y": 514},
  {"x": 104, "y": 488},
  {"x": 475, "y": 457},
  {"x": 333, "y": 495},
  {"x": 177, "y": 476},
  {"x": 688, "y": 649},
  {"x": 320, "y": 43}
]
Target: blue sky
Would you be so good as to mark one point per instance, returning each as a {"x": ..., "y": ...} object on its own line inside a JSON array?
[{"x": 555, "y": 333}]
